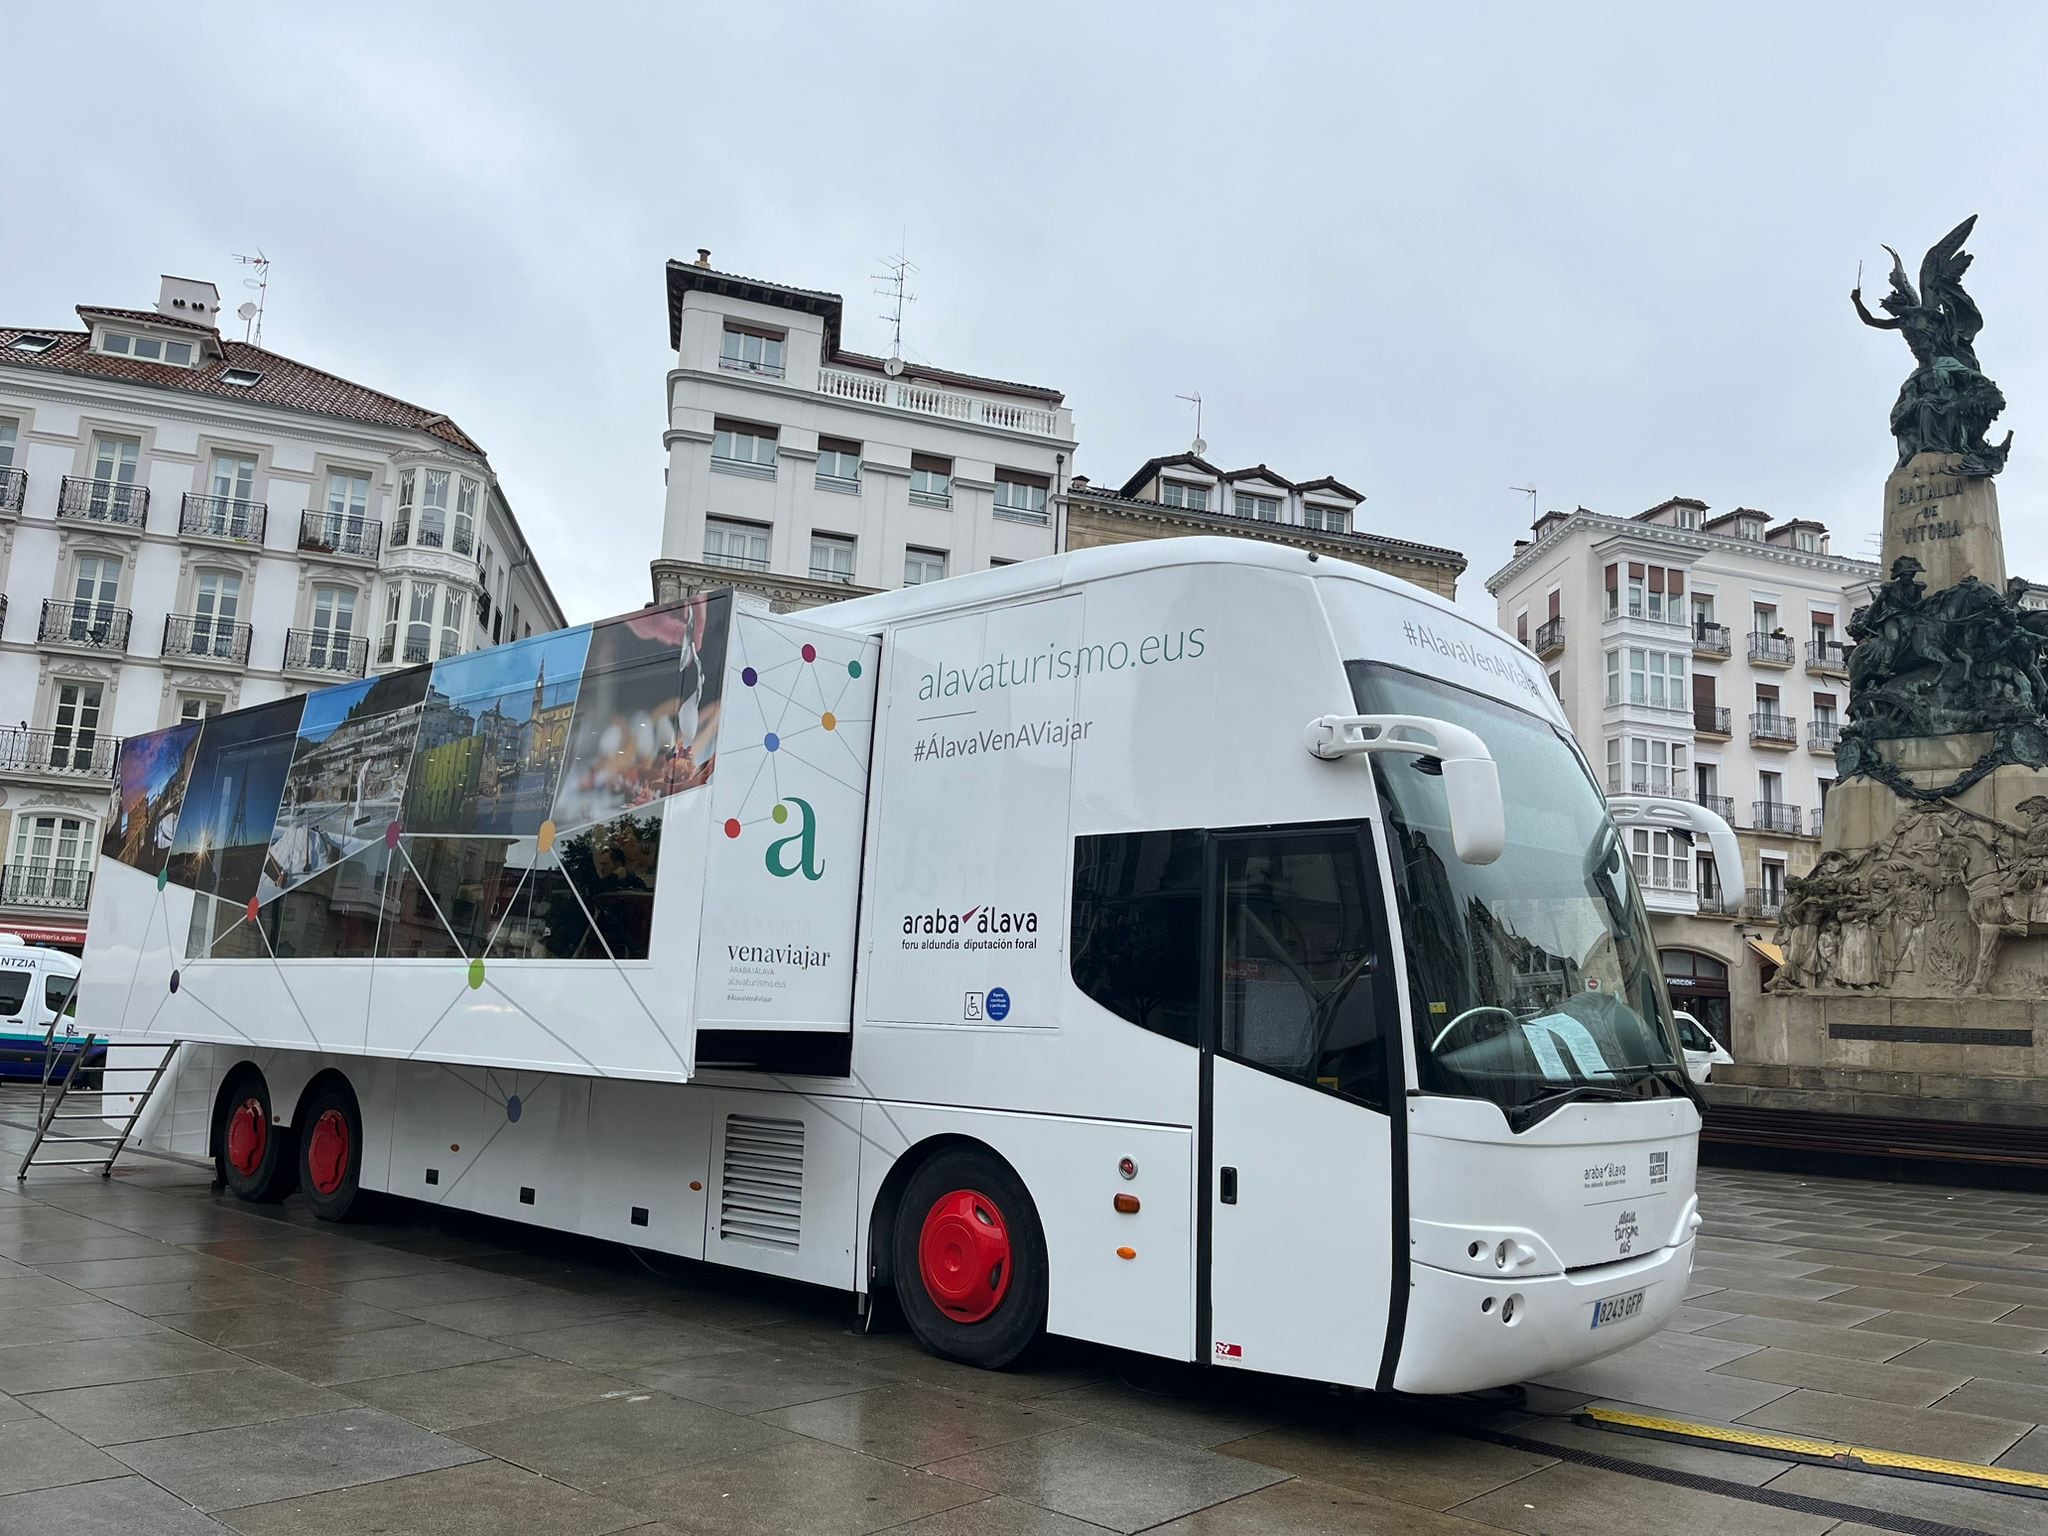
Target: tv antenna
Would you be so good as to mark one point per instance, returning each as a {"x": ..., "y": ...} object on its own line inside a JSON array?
[
  {"x": 252, "y": 313},
  {"x": 1530, "y": 492},
  {"x": 893, "y": 281},
  {"x": 1198, "y": 447}
]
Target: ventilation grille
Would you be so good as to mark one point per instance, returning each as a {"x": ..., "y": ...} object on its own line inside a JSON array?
[{"x": 761, "y": 1185}]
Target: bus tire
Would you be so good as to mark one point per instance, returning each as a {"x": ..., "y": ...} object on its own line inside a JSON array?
[
  {"x": 252, "y": 1154},
  {"x": 330, "y": 1138},
  {"x": 969, "y": 1259}
]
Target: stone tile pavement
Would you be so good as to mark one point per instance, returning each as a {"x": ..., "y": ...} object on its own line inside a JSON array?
[{"x": 172, "y": 1361}]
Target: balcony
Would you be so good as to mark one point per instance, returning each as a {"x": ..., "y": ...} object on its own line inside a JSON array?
[
  {"x": 13, "y": 489},
  {"x": 328, "y": 533},
  {"x": 931, "y": 400},
  {"x": 1770, "y": 730},
  {"x": 845, "y": 485},
  {"x": 200, "y": 637},
  {"x": 1776, "y": 816},
  {"x": 412, "y": 651},
  {"x": 940, "y": 499},
  {"x": 104, "y": 502},
  {"x": 1828, "y": 656},
  {"x": 1676, "y": 880},
  {"x": 325, "y": 653},
  {"x": 747, "y": 469},
  {"x": 1659, "y": 784},
  {"x": 1713, "y": 899},
  {"x": 1709, "y": 638},
  {"x": 759, "y": 366},
  {"x": 1765, "y": 906},
  {"x": 50, "y": 887},
  {"x": 736, "y": 562},
  {"x": 1817, "y": 818},
  {"x": 84, "y": 626},
  {"x": 821, "y": 573},
  {"x": 1549, "y": 638},
  {"x": 66, "y": 753},
  {"x": 223, "y": 517},
  {"x": 1823, "y": 735},
  {"x": 1710, "y": 720},
  {"x": 1770, "y": 650},
  {"x": 1722, "y": 806}
]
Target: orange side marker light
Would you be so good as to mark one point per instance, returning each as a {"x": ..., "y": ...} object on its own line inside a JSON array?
[
  {"x": 1127, "y": 1253},
  {"x": 1127, "y": 1204}
]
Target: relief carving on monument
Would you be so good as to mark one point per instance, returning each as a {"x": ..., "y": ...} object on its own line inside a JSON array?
[{"x": 1949, "y": 903}]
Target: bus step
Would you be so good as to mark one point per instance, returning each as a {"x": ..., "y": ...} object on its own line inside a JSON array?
[{"x": 81, "y": 1138}]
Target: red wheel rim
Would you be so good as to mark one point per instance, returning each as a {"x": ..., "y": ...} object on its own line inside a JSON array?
[
  {"x": 248, "y": 1137},
  {"x": 327, "y": 1152},
  {"x": 963, "y": 1255}
]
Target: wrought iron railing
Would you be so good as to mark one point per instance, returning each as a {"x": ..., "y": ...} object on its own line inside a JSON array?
[
  {"x": 92, "y": 626},
  {"x": 326, "y": 651},
  {"x": 103, "y": 501},
  {"x": 1710, "y": 719},
  {"x": 1768, "y": 906},
  {"x": 199, "y": 637},
  {"x": 223, "y": 517},
  {"x": 410, "y": 651},
  {"x": 83, "y": 754},
  {"x": 64, "y": 887},
  {"x": 736, "y": 562},
  {"x": 462, "y": 541},
  {"x": 13, "y": 489},
  {"x": 1709, "y": 638},
  {"x": 1817, "y": 819},
  {"x": 331, "y": 533},
  {"x": 1824, "y": 735},
  {"x": 1828, "y": 655},
  {"x": 1776, "y": 816},
  {"x": 1779, "y": 730},
  {"x": 1549, "y": 636},
  {"x": 825, "y": 573},
  {"x": 1722, "y": 806},
  {"x": 1776, "y": 649}
]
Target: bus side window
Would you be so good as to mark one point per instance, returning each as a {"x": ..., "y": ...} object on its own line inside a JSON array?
[
  {"x": 13, "y": 992},
  {"x": 61, "y": 992},
  {"x": 1299, "y": 964},
  {"x": 1137, "y": 934}
]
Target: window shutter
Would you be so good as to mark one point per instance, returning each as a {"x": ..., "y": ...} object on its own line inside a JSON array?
[
  {"x": 1553, "y": 605},
  {"x": 1677, "y": 583},
  {"x": 1703, "y": 690},
  {"x": 1657, "y": 579},
  {"x": 1614, "y": 578},
  {"x": 1824, "y": 702},
  {"x": 1522, "y": 628}
]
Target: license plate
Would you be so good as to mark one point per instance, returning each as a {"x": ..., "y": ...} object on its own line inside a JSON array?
[{"x": 1617, "y": 1309}]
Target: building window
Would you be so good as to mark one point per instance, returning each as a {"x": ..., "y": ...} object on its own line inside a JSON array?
[
  {"x": 923, "y": 565},
  {"x": 1614, "y": 750},
  {"x": 740, "y": 448},
  {"x": 931, "y": 481},
  {"x": 1763, "y": 618},
  {"x": 401, "y": 529},
  {"x": 1178, "y": 493},
  {"x": 1661, "y": 861},
  {"x": 743, "y": 546},
  {"x": 831, "y": 558},
  {"x": 1261, "y": 509},
  {"x": 1806, "y": 541},
  {"x": 199, "y": 706},
  {"x": 419, "y": 624},
  {"x": 75, "y": 725},
  {"x": 148, "y": 349},
  {"x": 1020, "y": 497},
  {"x": 465, "y": 516},
  {"x": 1655, "y": 767},
  {"x": 1657, "y": 678},
  {"x": 1328, "y": 519},
  {"x": 334, "y": 626},
  {"x": 1614, "y": 677},
  {"x": 838, "y": 465},
  {"x": 348, "y": 503},
  {"x": 748, "y": 350},
  {"x": 114, "y": 461},
  {"x": 1557, "y": 684},
  {"x": 1685, "y": 517},
  {"x": 216, "y": 601},
  {"x": 454, "y": 612},
  {"x": 52, "y": 860},
  {"x": 432, "y": 528},
  {"x": 8, "y": 429}
]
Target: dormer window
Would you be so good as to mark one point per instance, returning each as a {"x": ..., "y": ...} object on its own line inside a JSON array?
[
  {"x": 1328, "y": 519},
  {"x": 1806, "y": 541},
  {"x": 32, "y": 343},
  {"x": 148, "y": 349},
  {"x": 749, "y": 349},
  {"x": 1260, "y": 509},
  {"x": 1749, "y": 528},
  {"x": 1685, "y": 517},
  {"x": 1178, "y": 493}
]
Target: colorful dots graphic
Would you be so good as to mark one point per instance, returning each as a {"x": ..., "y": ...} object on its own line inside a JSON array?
[
  {"x": 512, "y": 1108},
  {"x": 829, "y": 720},
  {"x": 853, "y": 669},
  {"x": 174, "y": 981},
  {"x": 476, "y": 973},
  {"x": 749, "y": 676},
  {"x": 391, "y": 835},
  {"x": 732, "y": 827},
  {"x": 810, "y": 653},
  {"x": 544, "y": 840},
  {"x": 163, "y": 877},
  {"x": 780, "y": 814},
  {"x": 771, "y": 741},
  {"x": 253, "y": 909}
]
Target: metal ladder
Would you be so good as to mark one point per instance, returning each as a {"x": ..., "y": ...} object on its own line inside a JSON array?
[{"x": 50, "y": 1110}]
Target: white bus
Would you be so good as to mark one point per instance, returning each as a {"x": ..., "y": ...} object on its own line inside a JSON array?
[{"x": 1194, "y": 947}]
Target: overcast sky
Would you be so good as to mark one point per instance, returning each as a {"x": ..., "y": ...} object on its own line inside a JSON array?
[{"x": 1434, "y": 251}]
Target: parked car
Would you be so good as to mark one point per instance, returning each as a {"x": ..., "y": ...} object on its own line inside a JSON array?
[{"x": 1703, "y": 1052}]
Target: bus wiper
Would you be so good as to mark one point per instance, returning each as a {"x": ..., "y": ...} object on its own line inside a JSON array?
[{"x": 1524, "y": 1115}]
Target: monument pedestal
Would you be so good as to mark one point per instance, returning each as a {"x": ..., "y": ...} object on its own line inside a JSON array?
[{"x": 1946, "y": 520}]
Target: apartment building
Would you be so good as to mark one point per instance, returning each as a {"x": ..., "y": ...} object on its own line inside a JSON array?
[
  {"x": 1703, "y": 656},
  {"x": 804, "y": 472},
  {"x": 188, "y": 524},
  {"x": 1181, "y": 494}
]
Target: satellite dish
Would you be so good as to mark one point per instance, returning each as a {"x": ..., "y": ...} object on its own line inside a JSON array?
[
  {"x": 247, "y": 312},
  {"x": 1200, "y": 447},
  {"x": 893, "y": 367}
]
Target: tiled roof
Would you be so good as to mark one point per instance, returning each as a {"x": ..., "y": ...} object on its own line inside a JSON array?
[
  {"x": 1330, "y": 483},
  {"x": 1665, "y": 506},
  {"x": 1152, "y": 467},
  {"x": 1244, "y": 527},
  {"x": 1259, "y": 472},
  {"x": 284, "y": 385},
  {"x": 144, "y": 317}
]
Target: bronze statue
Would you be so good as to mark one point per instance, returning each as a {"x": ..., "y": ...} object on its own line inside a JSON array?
[{"x": 1947, "y": 403}]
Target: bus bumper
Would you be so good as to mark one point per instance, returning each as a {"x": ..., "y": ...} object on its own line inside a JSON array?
[{"x": 1461, "y": 1335}]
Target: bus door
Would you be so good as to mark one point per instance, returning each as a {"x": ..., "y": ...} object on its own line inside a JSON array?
[{"x": 1301, "y": 1069}]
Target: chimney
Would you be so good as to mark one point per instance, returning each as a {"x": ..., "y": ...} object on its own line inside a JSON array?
[
  {"x": 704, "y": 257},
  {"x": 1078, "y": 483},
  {"x": 187, "y": 298}
]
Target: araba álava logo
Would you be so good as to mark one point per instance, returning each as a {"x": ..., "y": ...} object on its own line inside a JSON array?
[
  {"x": 981, "y": 920},
  {"x": 796, "y": 854}
]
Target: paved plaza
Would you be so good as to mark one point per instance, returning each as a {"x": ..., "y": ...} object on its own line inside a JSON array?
[{"x": 174, "y": 1362}]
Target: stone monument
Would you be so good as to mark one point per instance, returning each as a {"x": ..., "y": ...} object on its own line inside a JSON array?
[{"x": 1915, "y": 954}]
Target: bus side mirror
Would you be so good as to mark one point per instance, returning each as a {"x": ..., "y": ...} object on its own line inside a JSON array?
[
  {"x": 1685, "y": 816},
  {"x": 1471, "y": 779}
]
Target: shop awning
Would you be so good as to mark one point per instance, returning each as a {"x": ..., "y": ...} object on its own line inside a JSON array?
[
  {"x": 45, "y": 935},
  {"x": 1768, "y": 950}
]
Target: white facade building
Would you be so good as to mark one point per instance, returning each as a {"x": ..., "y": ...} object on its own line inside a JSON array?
[
  {"x": 1704, "y": 657},
  {"x": 189, "y": 524},
  {"x": 802, "y": 472}
]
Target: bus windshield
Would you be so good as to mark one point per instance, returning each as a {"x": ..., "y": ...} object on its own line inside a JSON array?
[{"x": 1533, "y": 979}]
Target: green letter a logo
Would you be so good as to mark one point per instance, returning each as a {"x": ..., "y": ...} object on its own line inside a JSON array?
[{"x": 805, "y": 838}]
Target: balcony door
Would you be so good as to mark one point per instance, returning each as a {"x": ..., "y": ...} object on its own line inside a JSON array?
[
  {"x": 75, "y": 726},
  {"x": 348, "y": 504},
  {"x": 95, "y": 588},
  {"x": 51, "y": 861},
  {"x": 216, "y": 601},
  {"x": 114, "y": 461},
  {"x": 334, "y": 627}
]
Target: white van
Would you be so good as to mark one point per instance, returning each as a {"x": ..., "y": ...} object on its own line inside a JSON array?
[{"x": 35, "y": 985}]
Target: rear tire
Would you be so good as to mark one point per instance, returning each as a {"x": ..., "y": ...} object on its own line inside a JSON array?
[
  {"x": 969, "y": 1259},
  {"x": 252, "y": 1153},
  {"x": 330, "y": 1137}
]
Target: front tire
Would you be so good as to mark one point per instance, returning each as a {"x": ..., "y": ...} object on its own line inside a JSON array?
[
  {"x": 252, "y": 1153},
  {"x": 969, "y": 1259},
  {"x": 331, "y": 1151}
]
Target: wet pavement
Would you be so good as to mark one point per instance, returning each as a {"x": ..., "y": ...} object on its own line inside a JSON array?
[{"x": 172, "y": 1361}]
